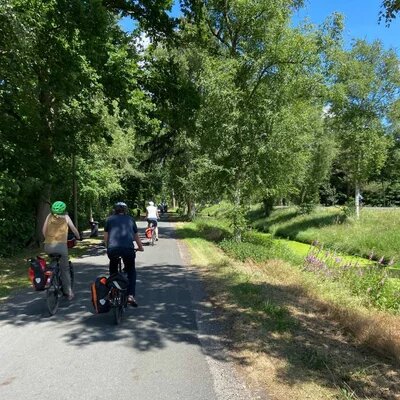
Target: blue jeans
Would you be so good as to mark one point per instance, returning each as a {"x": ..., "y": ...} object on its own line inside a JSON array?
[{"x": 128, "y": 257}]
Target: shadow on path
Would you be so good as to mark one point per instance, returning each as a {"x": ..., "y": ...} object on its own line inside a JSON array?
[{"x": 170, "y": 298}]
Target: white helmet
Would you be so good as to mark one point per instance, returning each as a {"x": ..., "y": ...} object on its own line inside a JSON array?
[{"x": 151, "y": 203}]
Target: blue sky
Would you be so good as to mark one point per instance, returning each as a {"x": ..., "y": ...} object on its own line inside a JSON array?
[{"x": 360, "y": 16}]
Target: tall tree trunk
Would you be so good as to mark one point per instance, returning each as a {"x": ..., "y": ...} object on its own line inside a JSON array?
[
  {"x": 43, "y": 209},
  {"x": 91, "y": 213},
  {"x": 237, "y": 228},
  {"x": 268, "y": 203},
  {"x": 173, "y": 199},
  {"x": 46, "y": 100},
  {"x": 191, "y": 209},
  {"x": 75, "y": 191},
  {"x": 357, "y": 199}
]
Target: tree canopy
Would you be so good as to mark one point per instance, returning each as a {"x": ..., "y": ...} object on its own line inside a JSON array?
[{"x": 227, "y": 101}]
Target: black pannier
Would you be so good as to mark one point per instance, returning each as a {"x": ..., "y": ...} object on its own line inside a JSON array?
[
  {"x": 118, "y": 281},
  {"x": 100, "y": 298}
]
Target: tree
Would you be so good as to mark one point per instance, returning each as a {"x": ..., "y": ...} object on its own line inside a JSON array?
[
  {"x": 259, "y": 79},
  {"x": 389, "y": 11},
  {"x": 66, "y": 72},
  {"x": 366, "y": 83},
  {"x": 150, "y": 14}
]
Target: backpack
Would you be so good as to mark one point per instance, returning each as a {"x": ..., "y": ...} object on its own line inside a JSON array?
[
  {"x": 100, "y": 290},
  {"x": 118, "y": 281},
  {"x": 38, "y": 273}
]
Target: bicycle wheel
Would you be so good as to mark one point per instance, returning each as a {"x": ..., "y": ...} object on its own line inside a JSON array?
[
  {"x": 53, "y": 295},
  {"x": 71, "y": 271},
  {"x": 118, "y": 308}
]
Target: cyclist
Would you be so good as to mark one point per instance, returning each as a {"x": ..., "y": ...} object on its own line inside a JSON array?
[
  {"x": 152, "y": 215},
  {"x": 120, "y": 231},
  {"x": 55, "y": 232}
]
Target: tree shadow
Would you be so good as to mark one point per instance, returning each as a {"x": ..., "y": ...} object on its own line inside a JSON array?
[
  {"x": 171, "y": 304},
  {"x": 281, "y": 322},
  {"x": 281, "y": 218},
  {"x": 263, "y": 223},
  {"x": 293, "y": 229}
]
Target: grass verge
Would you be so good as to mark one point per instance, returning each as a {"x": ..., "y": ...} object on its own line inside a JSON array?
[
  {"x": 376, "y": 234},
  {"x": 14, "y": 270},
  {"x": 290, "y": 328}
]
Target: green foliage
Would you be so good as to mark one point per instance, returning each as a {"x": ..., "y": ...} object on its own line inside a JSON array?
[
  {"x": 366, "y": 86},
  {"x": 370, "y": 282},
  {"x": 16, "y": 216},
  {"x": 389, "y": 10},
  {"x": 68, "y": 90}
]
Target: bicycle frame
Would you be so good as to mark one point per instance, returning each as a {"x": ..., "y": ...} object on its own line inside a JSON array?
[{"x": 54, "y": 288}]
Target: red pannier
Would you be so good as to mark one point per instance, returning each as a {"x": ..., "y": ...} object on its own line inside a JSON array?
[
  {"x": 71, "y": 240},
  {"x": 38, "y": 273}
]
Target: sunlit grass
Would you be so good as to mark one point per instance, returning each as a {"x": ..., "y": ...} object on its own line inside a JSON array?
[
  {"x": 14, "y": 270},
  {"x": 377, "y": 232},
  {"x": 263, "y": 302}
]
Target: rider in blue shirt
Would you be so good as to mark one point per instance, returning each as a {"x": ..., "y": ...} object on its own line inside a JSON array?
[{"x": 120, "y": 233}]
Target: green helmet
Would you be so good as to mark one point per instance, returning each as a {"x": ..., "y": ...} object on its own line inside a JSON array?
[{"x": 58, "y": 207}]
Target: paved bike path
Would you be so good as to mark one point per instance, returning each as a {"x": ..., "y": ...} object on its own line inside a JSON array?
[{"x": 165, "y": 349}]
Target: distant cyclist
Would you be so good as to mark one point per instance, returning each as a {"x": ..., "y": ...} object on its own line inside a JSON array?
[
  {"x": 120, "y": 231},
  {"x": 152, "y": 215},
  {"x": 55, "y": 232}
]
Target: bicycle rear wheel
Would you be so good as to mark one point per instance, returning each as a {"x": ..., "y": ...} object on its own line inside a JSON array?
[
  {"x": 71, "y": 271},
  {"x": 53, "y": 295},
  {"x": 118, "y": 309}
]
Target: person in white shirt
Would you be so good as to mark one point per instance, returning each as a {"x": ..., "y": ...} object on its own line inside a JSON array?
[{"x": 152, "y": 216}]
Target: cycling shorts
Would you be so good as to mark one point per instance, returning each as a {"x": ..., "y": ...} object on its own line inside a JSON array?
[{"x": 153, "y": 221}]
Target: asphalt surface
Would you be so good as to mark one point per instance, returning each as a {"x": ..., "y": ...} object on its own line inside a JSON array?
[{"x": 170, "y": 347}]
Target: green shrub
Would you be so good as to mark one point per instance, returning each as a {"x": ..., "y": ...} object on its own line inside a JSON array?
[
  {"x": 306, "y": 208},
  {"x": 370, "y": 283}
]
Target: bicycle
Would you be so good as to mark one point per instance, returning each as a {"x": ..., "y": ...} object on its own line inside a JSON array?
[
  {"x": 54, "y": 287},
  {"x": 118, "y": 295}
]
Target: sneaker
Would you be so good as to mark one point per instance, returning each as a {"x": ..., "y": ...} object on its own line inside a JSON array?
[
  {"x": 70, "y": 296},
  {"x": 157, "y": 239},
  {"x": 132, "y": 301}
]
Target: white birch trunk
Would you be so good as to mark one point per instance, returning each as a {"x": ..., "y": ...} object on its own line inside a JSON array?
[{"x": 357, "y": 200}]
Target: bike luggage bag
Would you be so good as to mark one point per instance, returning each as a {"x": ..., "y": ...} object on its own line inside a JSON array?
[
  {"x": 118, "y": 281},
  {"x": 37, "y": 273},
  {"x": 100, "y": 290},
  {"x": 148, "y": 232},
  {"x": 71, "y": 240}
]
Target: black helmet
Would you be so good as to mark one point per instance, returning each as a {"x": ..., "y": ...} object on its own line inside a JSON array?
[{"x": 120, "y": 208}]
